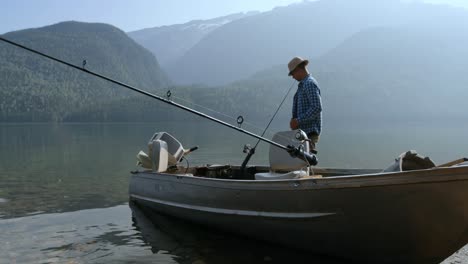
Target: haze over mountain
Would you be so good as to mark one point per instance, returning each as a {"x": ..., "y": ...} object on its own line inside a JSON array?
[
  {"x": 424, "y": 78},
  {"x": 169, "y": 43},
  {"x": 244, "y": 46},
  {"x": 33, "y": 88}
]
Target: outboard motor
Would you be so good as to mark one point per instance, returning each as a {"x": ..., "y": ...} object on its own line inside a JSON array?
[
  {"x": 174, "y": 147},
  {"x": 159, "y": 156},
  {"x": 164, "y": 151}
]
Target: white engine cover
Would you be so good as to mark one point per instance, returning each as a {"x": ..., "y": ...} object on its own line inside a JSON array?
[
  {"x": 174, "y": 147},
  {"x": 159, "y": 155}
]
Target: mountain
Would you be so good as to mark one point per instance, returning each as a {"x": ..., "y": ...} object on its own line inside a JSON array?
[
  {"x": 169, "y": 43},
  {"x": 399, "y": 73},
  {"x": 382, "y": 74},
  {"x": 404, "y": 71},
  {"x": 37, "y": 89},
  {"x": 310, "y": 29}
]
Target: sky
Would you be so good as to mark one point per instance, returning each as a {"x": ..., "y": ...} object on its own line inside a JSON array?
[
  {"x": 132, "y": 15},
  {"x": 124, "y": 14}
]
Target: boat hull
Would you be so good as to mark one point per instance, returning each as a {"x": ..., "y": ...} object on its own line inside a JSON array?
[{"x": 406, "y": 217}]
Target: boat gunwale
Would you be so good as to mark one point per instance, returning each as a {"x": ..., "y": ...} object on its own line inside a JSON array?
[{"x": 425, "y": 176}]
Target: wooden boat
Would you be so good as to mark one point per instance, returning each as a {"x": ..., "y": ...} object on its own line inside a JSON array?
[{"x": 413, "y": 212}]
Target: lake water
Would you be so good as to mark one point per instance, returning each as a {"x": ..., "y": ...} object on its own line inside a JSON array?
[{"x": 64, "y": 188}]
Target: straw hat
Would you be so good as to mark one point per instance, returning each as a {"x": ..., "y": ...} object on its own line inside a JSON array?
[{"x": 296, "y": 61}]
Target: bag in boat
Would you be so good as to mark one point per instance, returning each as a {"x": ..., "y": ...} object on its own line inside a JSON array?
[{"x": 410, "y": 160}]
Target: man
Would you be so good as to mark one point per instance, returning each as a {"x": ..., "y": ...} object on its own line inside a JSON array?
[{"x": 307, "y": 104}]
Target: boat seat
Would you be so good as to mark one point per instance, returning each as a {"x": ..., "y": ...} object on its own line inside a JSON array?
[{"x": 282, "y": 165}]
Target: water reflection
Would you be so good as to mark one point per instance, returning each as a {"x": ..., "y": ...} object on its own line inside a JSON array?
[
  {"x": 196, "y": 244},
  {"x": 88, "y": 236}
]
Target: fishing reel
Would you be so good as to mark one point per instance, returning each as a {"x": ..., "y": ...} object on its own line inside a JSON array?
[
  {"x": 247, "y": 148},
  {"x": 298, "y": 152},
  {"x": 301, "y": 136}
]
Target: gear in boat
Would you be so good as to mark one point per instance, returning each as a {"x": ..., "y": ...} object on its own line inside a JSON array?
[{"x": 165, "y": 154}]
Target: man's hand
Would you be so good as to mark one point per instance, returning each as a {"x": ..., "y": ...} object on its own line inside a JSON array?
[{"x": 294, "y": 124}]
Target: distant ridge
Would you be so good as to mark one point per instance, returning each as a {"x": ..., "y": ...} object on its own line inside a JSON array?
[
  {"x": 310, "y": 29},
  {"x": 169, "y": 43}
]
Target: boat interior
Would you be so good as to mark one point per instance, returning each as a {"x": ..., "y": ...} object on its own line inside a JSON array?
[
  {"x": 235, "y": 172},
  {"x": 166, "y": 153}
]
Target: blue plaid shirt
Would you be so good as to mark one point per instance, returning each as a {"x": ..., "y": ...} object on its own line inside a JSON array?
[{"x": 307, "y": 106}]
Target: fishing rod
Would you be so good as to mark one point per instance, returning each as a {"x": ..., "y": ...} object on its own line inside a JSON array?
[
  {"x": 251, "y": 151},
  {"x": 294, "y": 151}
]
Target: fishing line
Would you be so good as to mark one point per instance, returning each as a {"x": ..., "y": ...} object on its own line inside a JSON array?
[
  {"x": 249, "y": 124},
  {"x": 251, "y": 151},
  {"x": 253, "y": 126},
  {"x": 274, "y": 115}
]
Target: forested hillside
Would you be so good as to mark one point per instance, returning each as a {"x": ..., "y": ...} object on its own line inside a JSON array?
[{"x": 33, "y": 88}]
